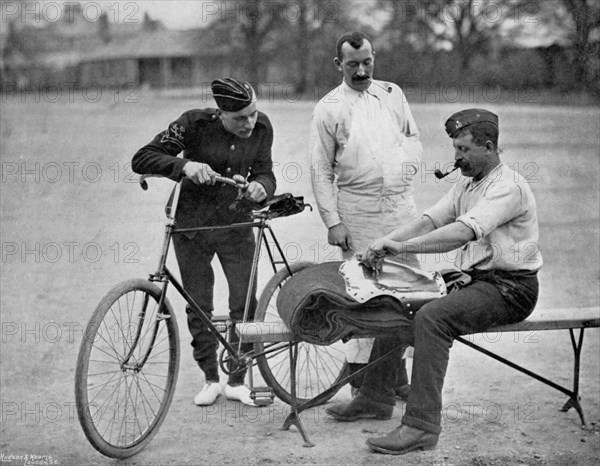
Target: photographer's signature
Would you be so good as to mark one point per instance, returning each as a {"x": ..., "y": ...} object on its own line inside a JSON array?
[{"x": 28, "y": 459}]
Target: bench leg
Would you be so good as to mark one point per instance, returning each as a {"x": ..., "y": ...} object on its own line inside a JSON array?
[
  {"x": 294, "y": 417},
  {"x": 573, "y": 402}
]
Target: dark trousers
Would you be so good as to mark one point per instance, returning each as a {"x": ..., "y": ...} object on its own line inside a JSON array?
[
  {"x": 493, "y": 298},
  {"x": 401, "y": 374},
  {"x": 235, "y": 249}
]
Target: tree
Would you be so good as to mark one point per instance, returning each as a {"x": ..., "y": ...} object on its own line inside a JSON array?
[
  {"x": 568, "y": 21},
  {"x": 466, "y": 27},
  {"x": 586, "y": 18},
  {"x": 318, "y": 22},
  {"x": 248, "y": 27},
  {"x": 297, "y": 34}
]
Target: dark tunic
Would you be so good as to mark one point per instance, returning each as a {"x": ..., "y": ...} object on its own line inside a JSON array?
[{"x": 201, "y": 136}]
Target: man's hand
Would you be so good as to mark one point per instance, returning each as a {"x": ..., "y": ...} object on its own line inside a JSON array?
[
  {"x": 373, "y": 256},
  {"x": 199, "y": 173},
  {"x": 339, "y": 235},
  {"x": 255, "y": 192}
]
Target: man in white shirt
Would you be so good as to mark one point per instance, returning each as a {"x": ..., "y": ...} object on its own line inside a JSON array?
[
  {"x": 365, "y": 150},
  {"x": 490, "y": 217}
]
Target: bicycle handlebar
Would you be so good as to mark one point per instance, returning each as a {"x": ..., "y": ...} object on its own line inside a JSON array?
[
  {"x": 282, "y": 205},
  {"x": 238, "y": 181}
]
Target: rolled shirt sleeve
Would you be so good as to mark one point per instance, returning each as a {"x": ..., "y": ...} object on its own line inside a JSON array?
[
  {"x": 500, "y": 204},
  {"x": 502, "y": 213}
]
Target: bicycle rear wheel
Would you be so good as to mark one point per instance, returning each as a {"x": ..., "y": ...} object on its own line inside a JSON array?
[
  {"x": 127, "y": 369},
  {"x": 317, "y": 367}
]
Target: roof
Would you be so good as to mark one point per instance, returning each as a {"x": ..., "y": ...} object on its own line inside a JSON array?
[{"x": 160, "y": 43}]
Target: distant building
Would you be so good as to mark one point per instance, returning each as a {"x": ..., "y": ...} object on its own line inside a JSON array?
[
  {"x": 33, "y": 55},
  {"x": 159, "y": 59},
  {"x": 80, "y": 52}
]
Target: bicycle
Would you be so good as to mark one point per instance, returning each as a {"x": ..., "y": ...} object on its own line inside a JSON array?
[{"x": 128, "y": 360}]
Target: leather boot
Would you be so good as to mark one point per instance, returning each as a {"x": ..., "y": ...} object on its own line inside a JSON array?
[
  {"x": 402, "y": 440},
  {"x": 361, "y": 407}
]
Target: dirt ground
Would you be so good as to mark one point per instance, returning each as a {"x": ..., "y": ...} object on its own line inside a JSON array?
[{"x": 74, "y": 223}]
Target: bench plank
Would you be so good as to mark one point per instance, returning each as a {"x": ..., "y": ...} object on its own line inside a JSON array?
[
  {"x": 555, "y": 319},
  {"x": 543, "y": 319},
  {"x": 264, "y": 332}
]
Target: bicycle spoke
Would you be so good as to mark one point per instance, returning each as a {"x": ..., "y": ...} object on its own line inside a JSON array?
[
  {"x": 120, "y": 324},
  {"x": 101, "y": 350},
  {"x": 121, "y": 403},
  {"x": 97, "y": 374},
  {"x": 317, "y": 368},
  {"x": 146, "y": 402}
]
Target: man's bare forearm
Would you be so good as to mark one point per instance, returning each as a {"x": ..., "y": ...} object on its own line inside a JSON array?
[
  {"x": 444, "y": 239},
  {"x": 413, "y": 229}
]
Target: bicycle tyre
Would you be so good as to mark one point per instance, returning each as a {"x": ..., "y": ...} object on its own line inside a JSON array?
[
  {"x": 317, "y": 368},
  {"x": 124, "y": 424}
]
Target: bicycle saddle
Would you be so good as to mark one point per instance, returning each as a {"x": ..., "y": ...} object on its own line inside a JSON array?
[
  {"x": 395, "y": 279},
  {"x": 284, "y": 205}
]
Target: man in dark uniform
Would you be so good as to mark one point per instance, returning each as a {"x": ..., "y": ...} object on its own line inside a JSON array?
[{"x": 233, "y": 139}]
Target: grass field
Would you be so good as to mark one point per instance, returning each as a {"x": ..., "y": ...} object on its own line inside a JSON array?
[{"x": 74, "y": 222}]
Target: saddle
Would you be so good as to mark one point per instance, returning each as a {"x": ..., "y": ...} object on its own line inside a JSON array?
[
  {"x": 340, "y": 300},
  {"x": 282, "y": 205},
  {"x": 286, "y": 204}
]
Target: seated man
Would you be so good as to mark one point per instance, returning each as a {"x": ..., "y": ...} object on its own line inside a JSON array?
[{"x": 491, "y": 217}]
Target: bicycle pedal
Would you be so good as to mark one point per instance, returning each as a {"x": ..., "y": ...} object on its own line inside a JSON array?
[{"x": 262, "y": 396}]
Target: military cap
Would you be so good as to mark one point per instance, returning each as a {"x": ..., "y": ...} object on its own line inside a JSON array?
[
  {"x": 232, "y": 95},
  {"x": 467, "y": 117}
]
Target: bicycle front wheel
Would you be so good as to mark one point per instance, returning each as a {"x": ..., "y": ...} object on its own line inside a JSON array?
[
  {"x": 127, "y": 369},
  {"x": 317, "y": 367}
]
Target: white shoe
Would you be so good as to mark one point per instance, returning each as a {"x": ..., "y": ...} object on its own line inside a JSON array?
[
  {"x": 239, "y": 393},
  {"x": 209, "y": 394}
]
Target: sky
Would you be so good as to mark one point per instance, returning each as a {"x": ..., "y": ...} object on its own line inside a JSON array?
[
  {"x": 185, "y": 14},
  {"x": 175, "y": 14},
  {"x": 178, "y": 14}
]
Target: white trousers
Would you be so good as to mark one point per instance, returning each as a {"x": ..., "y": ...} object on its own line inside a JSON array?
[{"x": 369, "y": 218}]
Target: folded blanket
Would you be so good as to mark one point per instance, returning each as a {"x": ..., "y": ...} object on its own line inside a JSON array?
[{"x": 315, "y": 305}]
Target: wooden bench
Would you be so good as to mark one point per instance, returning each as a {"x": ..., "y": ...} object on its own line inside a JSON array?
[{"x": 570, "y": 319}]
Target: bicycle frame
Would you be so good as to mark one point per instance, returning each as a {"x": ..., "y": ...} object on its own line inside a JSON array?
[
  {"x": 141, "y": 364},
  {"x": 164, "y": 275}
]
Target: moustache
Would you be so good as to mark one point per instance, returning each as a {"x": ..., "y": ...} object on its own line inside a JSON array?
[{"x": 463, "y": 165}]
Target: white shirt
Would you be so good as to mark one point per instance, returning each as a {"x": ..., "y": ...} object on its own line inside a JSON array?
[
  {"x": 364, "y": 143},
  {"x": 501, "y": 211}
]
